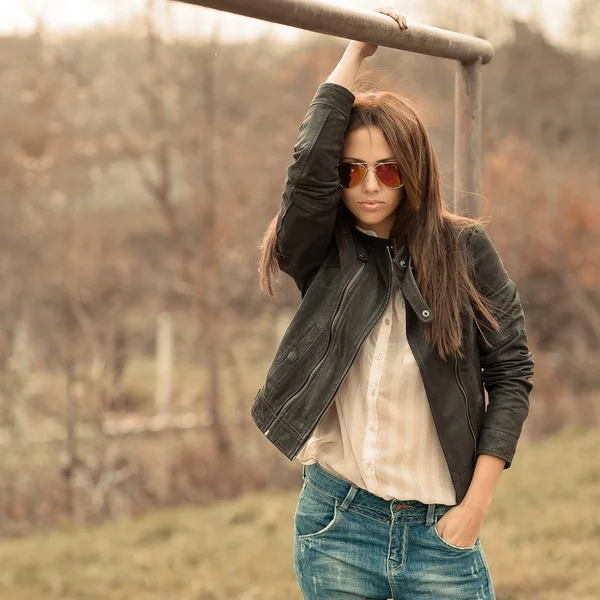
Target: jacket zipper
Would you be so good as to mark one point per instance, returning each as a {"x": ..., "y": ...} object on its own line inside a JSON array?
[
  {"x": 355, "y": 353},
  {"x": 466, "y": 403},
  {"x": 343, "y": 295}
]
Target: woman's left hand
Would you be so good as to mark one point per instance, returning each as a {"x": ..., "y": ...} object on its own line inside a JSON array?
[
  {"x": 364, "y": 49},
  {"x": 461, "y": 525}
]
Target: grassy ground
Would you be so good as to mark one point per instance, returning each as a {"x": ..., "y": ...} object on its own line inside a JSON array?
[{"x": 542, "y": 540}]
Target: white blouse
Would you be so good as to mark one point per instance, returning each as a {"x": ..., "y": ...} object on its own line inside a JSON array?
[{"x": 379, "y": 432}]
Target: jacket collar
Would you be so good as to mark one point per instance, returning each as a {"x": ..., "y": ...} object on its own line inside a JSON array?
[
  {"x": 374, "y": 243},
  {"x": 404, "y": 271}
]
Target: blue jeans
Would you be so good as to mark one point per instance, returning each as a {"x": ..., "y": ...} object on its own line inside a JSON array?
[{"x": 351, "y": 544}]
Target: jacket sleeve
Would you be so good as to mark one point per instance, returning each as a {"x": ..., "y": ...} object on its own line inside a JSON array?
[
  {"x": 507, "y": 364},
  {"x": 306, "y": 222}
]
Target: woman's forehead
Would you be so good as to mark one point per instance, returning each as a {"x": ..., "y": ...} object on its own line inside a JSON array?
[{"x": 367, "y": 143}]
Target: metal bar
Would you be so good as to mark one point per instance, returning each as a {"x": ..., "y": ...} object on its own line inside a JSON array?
[
  {"x": 467, "y": 139},
  {"x": 359, "y": 24}
]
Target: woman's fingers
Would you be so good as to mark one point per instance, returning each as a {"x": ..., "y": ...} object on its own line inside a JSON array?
[
  {"x": 365, "y": 50},
  {"x": 392, "y": 12}
]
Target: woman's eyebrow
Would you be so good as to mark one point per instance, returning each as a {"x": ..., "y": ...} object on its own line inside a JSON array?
[{"x": 364, "y": 161}]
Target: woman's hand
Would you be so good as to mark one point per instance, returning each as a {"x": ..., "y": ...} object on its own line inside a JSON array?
[
  {"x": 461, "y": 525},
  {"x": 365, "y": 50},
  {"x": 347, "y": 69}
]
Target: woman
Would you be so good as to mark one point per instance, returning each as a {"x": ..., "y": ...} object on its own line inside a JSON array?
[{"x": 378, "y": 384}]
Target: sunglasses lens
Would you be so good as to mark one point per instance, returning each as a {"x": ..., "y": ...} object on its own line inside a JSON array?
[
  {"x": 389, "y": 175},
  {"x": 351, "y": 174}
]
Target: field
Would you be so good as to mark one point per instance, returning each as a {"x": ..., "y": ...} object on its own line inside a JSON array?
[{"x": 541, "y": 536}]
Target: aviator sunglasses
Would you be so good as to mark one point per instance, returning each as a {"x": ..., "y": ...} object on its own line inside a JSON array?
[{"x": 353, "y": 174}]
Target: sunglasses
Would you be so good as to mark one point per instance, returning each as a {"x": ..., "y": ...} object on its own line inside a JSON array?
[{"x": 353, "y": 174}]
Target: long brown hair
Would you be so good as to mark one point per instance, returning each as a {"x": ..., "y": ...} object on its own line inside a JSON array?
[{"x": 436, "y": 238}]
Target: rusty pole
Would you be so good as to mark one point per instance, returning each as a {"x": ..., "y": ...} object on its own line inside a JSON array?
[
  {"x": 322, "y": 16},
  {"x": 467, "y": 139}
]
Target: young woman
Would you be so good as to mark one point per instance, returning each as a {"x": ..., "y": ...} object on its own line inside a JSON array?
[{"x": 407, "y": 314}]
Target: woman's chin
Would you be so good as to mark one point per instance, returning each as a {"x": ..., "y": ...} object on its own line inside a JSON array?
[{"x": 370, "y": 221}]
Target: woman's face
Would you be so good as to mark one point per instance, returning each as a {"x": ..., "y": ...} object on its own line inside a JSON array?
[{"x": 372, "y": 204}]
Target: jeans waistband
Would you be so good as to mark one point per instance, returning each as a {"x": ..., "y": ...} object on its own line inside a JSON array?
[{"x": 348, "y": 494}]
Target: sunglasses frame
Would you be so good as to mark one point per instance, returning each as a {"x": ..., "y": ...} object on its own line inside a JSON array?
[{"x": 367, "y": 168}]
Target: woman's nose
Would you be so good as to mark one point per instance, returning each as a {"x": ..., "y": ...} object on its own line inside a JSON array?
[{"x": 371, "y": 181}]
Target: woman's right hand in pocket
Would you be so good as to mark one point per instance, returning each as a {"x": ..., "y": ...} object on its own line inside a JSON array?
[{"x": 363, "y": 48}]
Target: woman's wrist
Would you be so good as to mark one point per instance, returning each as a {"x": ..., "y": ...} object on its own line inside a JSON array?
[
  {"x": 347, "y": 69},
  {"x": 355, "y": 51}
]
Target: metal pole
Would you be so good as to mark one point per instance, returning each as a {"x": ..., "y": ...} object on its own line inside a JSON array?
[
  {"x": 358, "y": 24},
  {"x": 467, "y": 139}
]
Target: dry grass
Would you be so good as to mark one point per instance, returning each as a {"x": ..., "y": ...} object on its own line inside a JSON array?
[{"x": 542, "y": 539}]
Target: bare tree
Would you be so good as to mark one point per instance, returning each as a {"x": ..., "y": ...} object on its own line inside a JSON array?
[{"x": 163, "y": 89}]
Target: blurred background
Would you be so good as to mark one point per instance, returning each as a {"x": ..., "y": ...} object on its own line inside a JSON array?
[{"x": 143, "y": 149}]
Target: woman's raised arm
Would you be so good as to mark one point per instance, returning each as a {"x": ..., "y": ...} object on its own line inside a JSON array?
[
  {"x": 308, "y": 211},
  {"x": 306, "y": 221}
]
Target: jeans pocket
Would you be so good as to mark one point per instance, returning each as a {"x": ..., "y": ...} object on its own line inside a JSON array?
[
  {"x": 436, "y": 533},
  {"x": 316, "y": 513}
]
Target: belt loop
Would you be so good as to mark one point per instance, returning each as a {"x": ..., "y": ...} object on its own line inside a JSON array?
[
  {"x": 304, "y": 472},
  {"x": 349, "y": 497},
  {"x": 430, "y": 520}
]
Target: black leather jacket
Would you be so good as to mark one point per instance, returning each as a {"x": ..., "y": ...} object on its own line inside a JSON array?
[{"x": 340, "y": 306}]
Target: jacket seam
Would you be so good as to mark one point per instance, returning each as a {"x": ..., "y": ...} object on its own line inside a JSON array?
[
  {"x": 291, "y": 427},
  {"x": 331, "y": 106},
  {"x": 499, "y": 432},
  {"x": 270, "y": 407},
  {"x": 277, "y": 416}
]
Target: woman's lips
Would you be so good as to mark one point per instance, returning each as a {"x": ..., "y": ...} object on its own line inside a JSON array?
[{"x": 371, "y": 206}]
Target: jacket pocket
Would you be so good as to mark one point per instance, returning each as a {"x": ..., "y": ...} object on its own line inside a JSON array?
[
  {"x": 282, "y": 366},
  {"x": 476, "y": 401}
]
